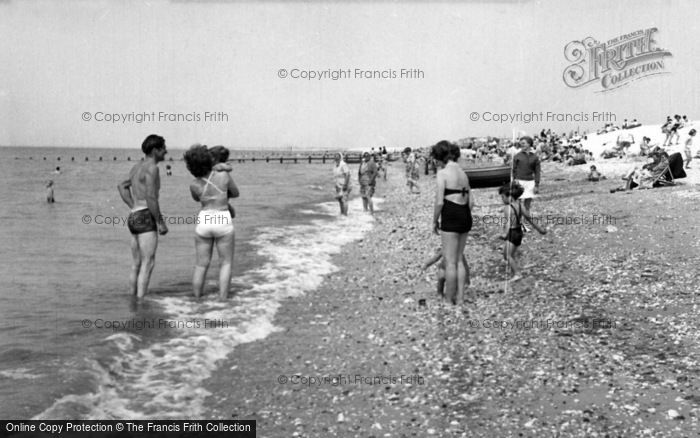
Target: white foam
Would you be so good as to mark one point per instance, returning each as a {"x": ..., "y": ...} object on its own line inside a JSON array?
[
  {"x": 19, "y": 374},
  {"x": 164, "y": 380}
]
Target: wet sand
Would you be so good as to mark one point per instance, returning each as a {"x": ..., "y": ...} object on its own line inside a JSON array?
[{"x": 601, "y": 337}]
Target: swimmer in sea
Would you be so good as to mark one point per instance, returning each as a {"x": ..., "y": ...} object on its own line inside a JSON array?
[
  {"x": 140, "y": 193},
  {"x": 341, "y": 177}
]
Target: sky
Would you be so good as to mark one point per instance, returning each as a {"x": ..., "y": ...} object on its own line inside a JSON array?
[{"x": 66, "y": 67}]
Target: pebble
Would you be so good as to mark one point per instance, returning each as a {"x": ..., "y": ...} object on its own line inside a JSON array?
[{"x": 673, "y": 414}]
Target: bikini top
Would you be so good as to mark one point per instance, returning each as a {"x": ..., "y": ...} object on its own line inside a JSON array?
[
  {"x": 208, "y": 183},
  {"x": 463, "y": 191}
]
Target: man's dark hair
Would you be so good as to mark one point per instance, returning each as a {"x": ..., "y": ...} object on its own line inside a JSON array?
[
  {"x": 527, "y": 139},
  {"x": 151, "y": 142}
]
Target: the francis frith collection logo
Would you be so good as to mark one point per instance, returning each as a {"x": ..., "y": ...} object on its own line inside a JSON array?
[{"x": 616, "y": 62}]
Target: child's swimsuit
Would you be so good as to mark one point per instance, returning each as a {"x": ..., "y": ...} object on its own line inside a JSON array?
[
  {"x": 515, "y": 235},
  {"x": 455, "y": 218}
]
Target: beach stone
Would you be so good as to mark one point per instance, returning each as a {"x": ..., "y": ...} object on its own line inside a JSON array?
[{"x": 673, "y": 414}]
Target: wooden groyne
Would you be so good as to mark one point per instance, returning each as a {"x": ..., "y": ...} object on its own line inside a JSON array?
[{"x": 259, "y": 157}]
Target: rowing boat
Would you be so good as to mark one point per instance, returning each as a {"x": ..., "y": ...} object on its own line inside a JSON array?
[{"x": 483, "y": 177}]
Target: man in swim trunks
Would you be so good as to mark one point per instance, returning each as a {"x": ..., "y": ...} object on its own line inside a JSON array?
[{"x": 140, "y": 193}]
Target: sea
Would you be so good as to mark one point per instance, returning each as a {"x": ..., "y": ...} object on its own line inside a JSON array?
[{"x": 74, "y": 344}]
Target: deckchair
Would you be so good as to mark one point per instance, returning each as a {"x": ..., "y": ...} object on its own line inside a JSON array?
[{"x": 672, "y": 171}]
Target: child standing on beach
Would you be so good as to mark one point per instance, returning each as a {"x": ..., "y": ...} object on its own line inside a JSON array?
[
  {"x": 462, "y": 272},
  {"x": 513, "y": 212},
  {"x": 688, "y": 145}
]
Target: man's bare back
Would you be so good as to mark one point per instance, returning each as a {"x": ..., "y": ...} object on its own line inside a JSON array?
[{"x": 141, "y": 176}]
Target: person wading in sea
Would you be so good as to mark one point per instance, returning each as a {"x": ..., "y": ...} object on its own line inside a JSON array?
[{"x": 140, "y": 193}]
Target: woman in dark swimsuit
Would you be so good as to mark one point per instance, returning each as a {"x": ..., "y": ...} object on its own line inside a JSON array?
[{"x": 452, "y": 216}]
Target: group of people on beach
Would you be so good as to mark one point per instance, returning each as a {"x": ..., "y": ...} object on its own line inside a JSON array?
[
  {"x": 212, "y": 187},
  {"x": 452, "y": 215},
  {"x": 371, "y": 166}
]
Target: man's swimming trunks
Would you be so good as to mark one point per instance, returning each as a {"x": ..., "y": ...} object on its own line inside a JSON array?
[{"x": 141, "y": 221}]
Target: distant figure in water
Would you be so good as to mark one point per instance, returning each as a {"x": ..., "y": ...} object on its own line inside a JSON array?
[
  {"x": 49, "y": 192},
  {"x": 367, "y": 176},
  {"x": 214, "y": 222},
  {"x": 341, "y": 177},
  {"x": 58, "y": 170},
  {"x": 140, "y": 193},
  {"x": 168, "y": 170}
]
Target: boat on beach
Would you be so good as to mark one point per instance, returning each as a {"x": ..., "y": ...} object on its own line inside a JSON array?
[{"x": 484, "y": 177}]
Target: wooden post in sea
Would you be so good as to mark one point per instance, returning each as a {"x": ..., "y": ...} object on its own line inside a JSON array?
[
  {"x": 281, "y": 160},
  {"x": 309, "y": 159},
  {"x": 267, "y": 159},
  {"x": 253, "y": 159},
  {"x": 295, "y": 160},
  {"x": 324, "y": 158}
]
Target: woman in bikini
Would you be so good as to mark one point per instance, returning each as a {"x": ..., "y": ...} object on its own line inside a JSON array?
[
  {"x": 214, "y": 223},
  {"x": 452, "y": 217}
]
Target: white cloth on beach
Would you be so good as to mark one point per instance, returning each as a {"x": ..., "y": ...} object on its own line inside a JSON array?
[{"x": 529, "y": 186}]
